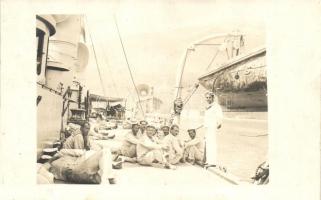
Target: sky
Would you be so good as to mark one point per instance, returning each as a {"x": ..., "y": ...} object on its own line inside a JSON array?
[{"x": 155, "y": 36}]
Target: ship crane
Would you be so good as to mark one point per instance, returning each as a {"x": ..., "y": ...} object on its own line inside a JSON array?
[{"x": 234, "y": 39}]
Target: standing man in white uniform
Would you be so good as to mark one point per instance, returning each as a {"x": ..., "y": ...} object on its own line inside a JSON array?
[{"x": 212, "y": 121}]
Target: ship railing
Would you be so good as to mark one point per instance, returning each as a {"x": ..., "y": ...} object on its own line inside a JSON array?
[{"x": 50, "y": 89}]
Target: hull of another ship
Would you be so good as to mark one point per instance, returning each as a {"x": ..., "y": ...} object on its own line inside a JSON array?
[{"x": 240, "y": 84}]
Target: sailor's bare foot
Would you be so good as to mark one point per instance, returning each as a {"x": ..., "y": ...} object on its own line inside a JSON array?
[
  {"x": 200, "y": 163},
  {"x": 108, "y": 181},
  {"x": 116, "y": 157},
  {"x": 192, "y": 161},
  {"x": 117, "y": 165},
  {"x": 120, "y": 159},
  {"x": 112, "y": 181},
  {"x": 170, "y": 166},
  {"x": 111, "y": 136}
]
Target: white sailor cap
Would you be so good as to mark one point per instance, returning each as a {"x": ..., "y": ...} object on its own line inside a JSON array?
[
  {"x": 133, "y": 121},
  {"x": 210, "y": 93}
]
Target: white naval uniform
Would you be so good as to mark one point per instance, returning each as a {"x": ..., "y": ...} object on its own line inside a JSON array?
[{"x": 212, "y": 119}]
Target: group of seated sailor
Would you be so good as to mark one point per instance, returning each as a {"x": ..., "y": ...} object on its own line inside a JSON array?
[
  {"x": 82, "y": 160},
  {"x": 161, "y": 147}
]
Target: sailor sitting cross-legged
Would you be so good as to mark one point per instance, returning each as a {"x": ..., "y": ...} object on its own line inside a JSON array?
[
  {"x": 127, "y": 151},
  {"x": 194, "y": 148},
  {"x": 175, "y": 145},
  {"x": 150, "y": 153}
]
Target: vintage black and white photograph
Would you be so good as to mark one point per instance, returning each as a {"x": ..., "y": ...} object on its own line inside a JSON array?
[{"x": 161, "y": 97}]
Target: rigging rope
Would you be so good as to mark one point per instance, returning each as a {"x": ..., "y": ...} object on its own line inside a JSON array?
[
  {"x": 111, "y": 75},
  {"x": 190, "y": 95},
  {"x": 130, "y": 72},
  {"x": 217, "y": 52},
  {"x": 99, "y": 73},
  {"x": 209, "y": 65}
]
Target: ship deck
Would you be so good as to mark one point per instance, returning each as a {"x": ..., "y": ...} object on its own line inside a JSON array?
[
  {"x": 242, "y": 146},
  {"x": 135, "y": 174}
]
